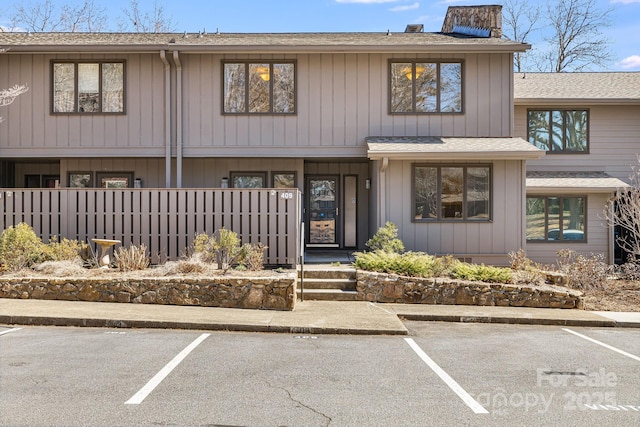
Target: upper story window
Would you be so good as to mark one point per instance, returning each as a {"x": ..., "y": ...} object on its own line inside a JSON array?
[
  {"x": 451, "y": 193},
  {"x": 559, "y": 131},
  {"x": 259, "y": 88},
  {"x": 88, "y": 87},
  {"x": 419, "y": 87}
]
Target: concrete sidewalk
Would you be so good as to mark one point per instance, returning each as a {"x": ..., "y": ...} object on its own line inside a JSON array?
[{"x": 310, "y": 317}]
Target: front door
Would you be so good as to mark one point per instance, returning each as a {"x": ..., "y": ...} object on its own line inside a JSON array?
[{"x": 322, "y": 211}]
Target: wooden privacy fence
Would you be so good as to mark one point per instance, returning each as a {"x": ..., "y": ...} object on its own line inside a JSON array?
[{"x": 165, "y": 220}]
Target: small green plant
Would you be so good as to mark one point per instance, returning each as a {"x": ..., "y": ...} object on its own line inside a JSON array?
[
  {"x": 481, "y": 273},
  {"x": 223, "y": 247},
  {"x": 386, "y": 239},
  {"x": 583, "y": 272},
  {"x": 415, "y": 264},
  {"x": 20, "y": 247},
  {"x": 336, "y": 264},
  {"x": 131, "y": 258}
]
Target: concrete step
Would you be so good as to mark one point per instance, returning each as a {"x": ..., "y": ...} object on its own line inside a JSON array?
[
  {"x": 342, "y": 284},
  {"x": 328, "y": 273},
  {"x": 328, "y": 295}
]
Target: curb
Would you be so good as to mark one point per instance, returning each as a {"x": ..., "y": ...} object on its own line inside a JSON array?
[{"x": 515, "y": 320}]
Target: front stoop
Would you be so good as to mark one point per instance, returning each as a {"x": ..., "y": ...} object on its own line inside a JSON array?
[{"x": 328, "y": 283}]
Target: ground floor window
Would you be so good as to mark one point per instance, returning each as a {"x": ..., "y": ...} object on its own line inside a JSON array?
[
  {"x": 248, "y": 179},
  {"x": 451, "y": 193},
  {"x": 556, "y": 218}
]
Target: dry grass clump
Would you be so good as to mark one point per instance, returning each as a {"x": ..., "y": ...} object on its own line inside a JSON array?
[{"x": 132, "y": 258}]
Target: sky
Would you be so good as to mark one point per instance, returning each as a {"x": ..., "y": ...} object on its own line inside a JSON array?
[{"x": 279, "y": 16}]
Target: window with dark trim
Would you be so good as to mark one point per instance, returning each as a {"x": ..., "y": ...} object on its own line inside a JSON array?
[
  {"x": 87, "y": 87},
  {"x": 248, "y": 179},
  {"x": 559, "y": 131},
  {"x": 422, "y": 87},
  {"x": 451, "y": 193},
  {"x": 266, "y": 87},
  {"x": 556, "y": 218}
]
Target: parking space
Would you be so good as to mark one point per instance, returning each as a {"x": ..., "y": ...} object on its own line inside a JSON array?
[{"x": 517, "y": 375}]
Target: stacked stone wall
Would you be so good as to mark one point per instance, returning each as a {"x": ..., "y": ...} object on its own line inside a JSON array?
[
  {"x": 266, "y": 293},
  {"x": 380, "y": 287}
]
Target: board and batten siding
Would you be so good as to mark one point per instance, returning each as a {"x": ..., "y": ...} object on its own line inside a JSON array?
[
  {"x": 341, "y": 99},
  {"x": 30, "y": 130},
  {"x": 597, "y": 232},
  {"x": 614, "y": 141},
  {"x": 488, "y": 242}
]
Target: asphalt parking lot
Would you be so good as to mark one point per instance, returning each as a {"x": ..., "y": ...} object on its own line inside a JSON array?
[{"x": 442, "y": 374}]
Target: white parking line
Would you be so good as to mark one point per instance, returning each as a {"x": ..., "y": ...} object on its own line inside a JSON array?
[
  {"x": 157, "y": 379},
  {"x": 453, "y": 385},
  {"x": 9, "y": 330},
  {"x": 617, "y": 350}
]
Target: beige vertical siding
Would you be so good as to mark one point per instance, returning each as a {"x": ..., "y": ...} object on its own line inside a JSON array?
[
  {"x": 487, "y": 240},
  {"x": 32, "y": 131},
  {"x": 341, "y": 99},
  {"x": 614, "y": 142},
  {"x": 597, "y": 236}
]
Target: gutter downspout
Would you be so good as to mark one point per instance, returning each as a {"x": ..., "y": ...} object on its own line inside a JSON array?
[
  {"x": 167, "y": 119},
  {"x": 176, "y": 60},
  {"x": 383, "y": 191}
]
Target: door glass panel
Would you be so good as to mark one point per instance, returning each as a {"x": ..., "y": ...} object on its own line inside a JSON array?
[{"x": 322, "y": 211}]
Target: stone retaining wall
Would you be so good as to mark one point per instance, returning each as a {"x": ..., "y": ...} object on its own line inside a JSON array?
[
  {"x": 380, "y": 287},
  {"x": 268, "y": 293}
]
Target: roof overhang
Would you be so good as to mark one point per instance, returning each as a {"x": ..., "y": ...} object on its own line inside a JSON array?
[
  {"x": 573, "y": 182},
  {"x": 532, "y": 102},
  {"x": 445, "y": 148}
]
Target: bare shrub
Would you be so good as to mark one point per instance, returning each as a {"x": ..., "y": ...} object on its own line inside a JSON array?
[
  {"x": 525, "y": 270},
  {"x": 68, "y": 268},
  {"x": 583, "y": 272},
  {"x": 255, "y": 257},
  {"x": 132, "y": 258}
]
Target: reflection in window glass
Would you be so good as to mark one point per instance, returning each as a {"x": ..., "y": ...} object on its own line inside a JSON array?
[
  {"x": 63, "y": 88},
  {"x": 113, "y": 87},
  {"x": 426, "y": 192},
  {"x": 247, "y": 180},
  {"x": 88, "y": 87},
  {"x": 556, "y": 218},
  {"x": 559, "y": 131},
  {"x": 234, "y": 84},
  {"x": 401, "y": 87},
  {"x": 426, "y": 78},
  {"x": 477, "y": 193},
  {"x": 256, "y": 88},
  {"x": 539, "y": 129},
  {"x": 536, "y": 219},
  {"x": 451, "y": 88},
  {"x": 426, "y": 87},
  {"x": 259, "y": 83},
  {"x": 452, "y": 193},
  {"x": 284, "y": 180},
  {"x": 283, "y": 88}
]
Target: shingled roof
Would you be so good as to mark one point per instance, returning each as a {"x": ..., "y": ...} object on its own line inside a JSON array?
[
  {"x": 601, "y": 88},
  {"x": 266, "y": 42}
]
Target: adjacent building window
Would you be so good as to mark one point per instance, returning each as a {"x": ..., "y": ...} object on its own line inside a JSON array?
[
  {"x": 88, "y": 87},
  {"x": 556, "y": 219},
  {"x": 259, "y": 88},
  {"x": 425, "y": 87},
  {"x": 559, "y": 131},
  {"x": 452, "y": 193},
  {"x": 80, "y": 179}
]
